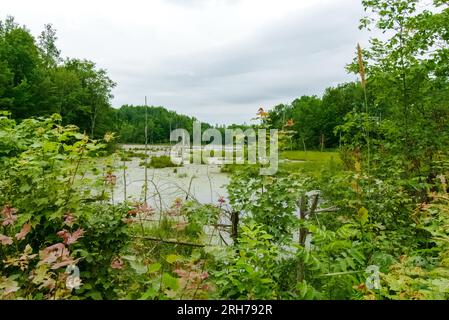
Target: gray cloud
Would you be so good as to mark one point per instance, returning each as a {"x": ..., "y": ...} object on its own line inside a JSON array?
[
  {"x": 301, "y": 54},
  {"x": 218, "y": 60}
]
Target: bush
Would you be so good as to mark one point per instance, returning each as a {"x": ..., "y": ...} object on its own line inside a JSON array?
[{"x": 54, "y": 217}]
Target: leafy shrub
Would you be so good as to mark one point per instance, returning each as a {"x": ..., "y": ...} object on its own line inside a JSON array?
[
  {"x": 270, "y": 201},
  {"x": 54, "y": 213},
  {"x": 251, "y": 270}
]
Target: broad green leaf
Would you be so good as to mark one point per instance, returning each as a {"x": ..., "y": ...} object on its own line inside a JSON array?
[
  {"x": 171, "y": 258},
  {"x": 154, "y": 267},
  {"x": 363, "y": 215},
  {"x": 169, "y": 281}
]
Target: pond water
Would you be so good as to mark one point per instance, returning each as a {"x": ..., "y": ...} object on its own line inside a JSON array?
[{"x": 204, "y": 183}]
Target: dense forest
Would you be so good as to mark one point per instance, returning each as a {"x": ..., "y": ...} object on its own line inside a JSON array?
[
  {"x": 129, "y": 123},
  {"x": 368, "y": 220},
  {"x": 314, "y": 119}
]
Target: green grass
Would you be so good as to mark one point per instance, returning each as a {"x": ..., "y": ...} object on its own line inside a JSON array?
[
  {"x": 313, "y": 161},
  {"x": 317, "y": 156},
  {"x": 127, "y": 155}
]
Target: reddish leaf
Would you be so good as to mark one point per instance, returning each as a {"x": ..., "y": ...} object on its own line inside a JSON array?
[
  {"x": 8, "y": 215},
  {"x": 141, "y": 209},
  {"x": 75, "y": 236},
  {"x": 26, "y": 228},
  {"x": 70, "y": 238},
  {"x": 5, "y": 240},
  {"x": 69, "y": 219},
  {"x": 64, "y": 234},
  {"x": 57, "y": 256},
  {"x": 64, "y": 263},
  {"x": 50, "y": 254}
]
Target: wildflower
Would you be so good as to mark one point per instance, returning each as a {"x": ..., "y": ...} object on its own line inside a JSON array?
[
  {"x": 175, "y": 209},
  {"x": 221, "y": 200}
]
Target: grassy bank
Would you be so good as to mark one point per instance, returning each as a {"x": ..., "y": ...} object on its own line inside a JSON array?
[{"x": 310, "y": 161}]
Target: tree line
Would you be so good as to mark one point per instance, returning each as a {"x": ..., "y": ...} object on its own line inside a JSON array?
[
  {"x": 36, "y": 81},
  {"x": 312, "y": 120}
]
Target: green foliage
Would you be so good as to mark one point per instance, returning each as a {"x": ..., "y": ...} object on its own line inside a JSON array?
[
  {"x": 310, "y": 162},
  {"x": 35, "y": 82},
  {"x": 53, "y": 216},
  {"x": 201, "y": 215},
  {"x": 314, "y": 119},
  {"x": 129, "y": 122},
  {"x": 384, "y": 204},
  {"x": 270, "y": 201},
  {"x": 105, "y": 238},
  {"x": 159, "y": 162},
  {"x": 252, "y": 270},
  {"x": 126, "y": 155},
  {"x": 424, "y": 273}
]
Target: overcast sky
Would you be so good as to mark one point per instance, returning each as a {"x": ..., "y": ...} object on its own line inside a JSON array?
[{"x": 218, "y": 60}]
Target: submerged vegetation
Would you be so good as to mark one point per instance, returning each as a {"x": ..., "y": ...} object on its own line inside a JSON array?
[
  {"x": 368, "y": 220},
  {"x": 159, "y": 162}
]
